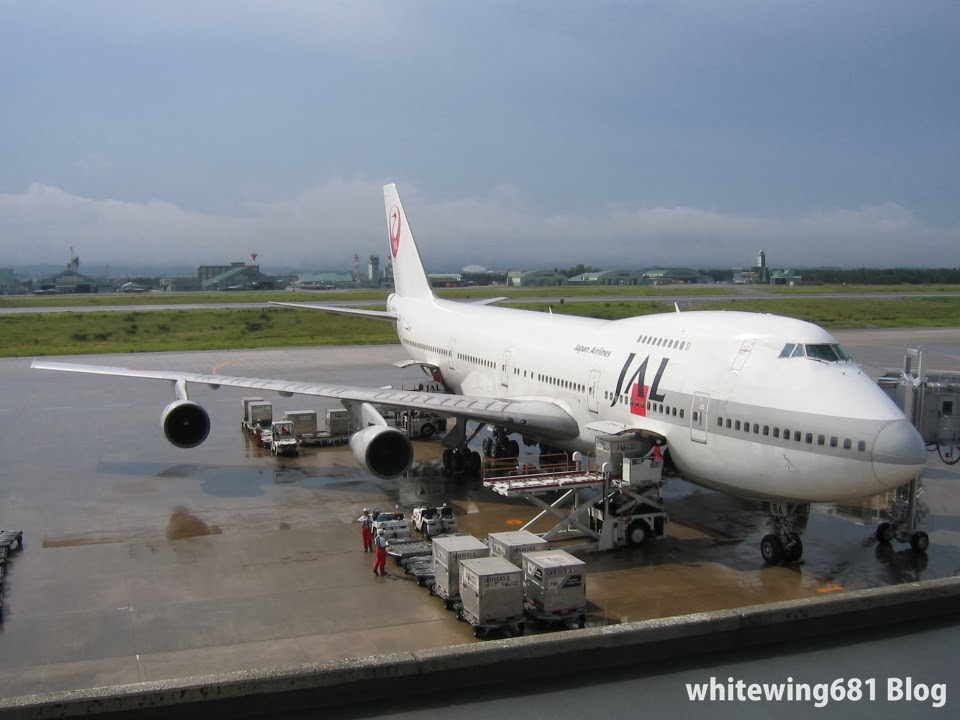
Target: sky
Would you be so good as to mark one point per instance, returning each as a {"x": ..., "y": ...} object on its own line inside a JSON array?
[{"x": 521, "y": 135}]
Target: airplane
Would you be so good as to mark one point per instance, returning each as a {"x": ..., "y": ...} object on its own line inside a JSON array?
[{"x": 756, "y": 405}]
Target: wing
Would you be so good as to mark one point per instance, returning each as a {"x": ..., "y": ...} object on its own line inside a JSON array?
[{"x": 540, "y": 418}]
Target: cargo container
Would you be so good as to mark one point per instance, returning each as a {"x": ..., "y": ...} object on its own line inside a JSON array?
[
  {"x": 491, "y": 595},
  {"x": 555, "y": 587},
  {"x": 515, "y": 543},
  {"x": 448, "y": 551},
  {"x": 304, "y": 421}
]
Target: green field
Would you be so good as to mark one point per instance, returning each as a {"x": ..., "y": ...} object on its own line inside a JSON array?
[{"x": 69, "y": 333}]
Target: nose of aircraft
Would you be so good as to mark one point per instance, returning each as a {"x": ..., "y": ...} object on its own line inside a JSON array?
[{"x": 899, "y": 454}]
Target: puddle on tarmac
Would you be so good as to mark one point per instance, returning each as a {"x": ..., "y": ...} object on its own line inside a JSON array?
[
  {"x": 233, "y": 480},
  {"x": 184, "y": 524}
]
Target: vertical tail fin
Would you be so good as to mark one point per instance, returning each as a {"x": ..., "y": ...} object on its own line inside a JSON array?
[{"x": 409, "y": 277}]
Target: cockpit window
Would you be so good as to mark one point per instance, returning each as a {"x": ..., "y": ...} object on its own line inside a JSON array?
[
  {"x": 787, "y": 350},
  {"x": 824, "y": 352}
]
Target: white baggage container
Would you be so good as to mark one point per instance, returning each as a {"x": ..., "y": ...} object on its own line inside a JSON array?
[
  {"x": 304, "y": 421},
  {"x": 554, "y": 583},
  {"x": 448, "y": 551},
  {"x": 491, "y": 591},
  {"x": 514, "y": 544}
]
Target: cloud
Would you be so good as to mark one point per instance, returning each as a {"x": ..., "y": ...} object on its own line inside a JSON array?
[{"x": 324, "y": 226}]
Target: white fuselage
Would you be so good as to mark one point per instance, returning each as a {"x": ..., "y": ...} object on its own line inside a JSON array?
[{"x": 736, "y": 415}]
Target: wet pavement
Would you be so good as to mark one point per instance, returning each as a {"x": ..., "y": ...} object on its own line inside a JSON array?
[{"x": 143, "y": 561}]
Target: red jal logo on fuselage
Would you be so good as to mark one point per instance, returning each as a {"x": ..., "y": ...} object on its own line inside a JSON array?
[{"x": 394, "y": 230}]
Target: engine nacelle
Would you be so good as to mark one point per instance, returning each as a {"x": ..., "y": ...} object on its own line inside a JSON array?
[
  {"x": 185, "y": 424},
  {"x": 382, "y": 451}
]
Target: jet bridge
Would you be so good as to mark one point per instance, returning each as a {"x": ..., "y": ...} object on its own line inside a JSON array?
[
  {"x": 931, "y": 400},
  {"x": 608, "y": 501}
]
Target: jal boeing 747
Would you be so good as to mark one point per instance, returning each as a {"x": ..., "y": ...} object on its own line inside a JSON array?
[{"x": 754, "y": 405}]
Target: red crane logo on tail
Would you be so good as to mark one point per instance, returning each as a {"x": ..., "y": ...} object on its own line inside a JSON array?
[{"x": 394, "y": 230}]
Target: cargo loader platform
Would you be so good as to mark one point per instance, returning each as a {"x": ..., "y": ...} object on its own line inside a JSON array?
[{"x": 607, "y": 509}]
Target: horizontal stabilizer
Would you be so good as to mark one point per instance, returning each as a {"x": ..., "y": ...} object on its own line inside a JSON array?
[{"x": 356, "y": 312}]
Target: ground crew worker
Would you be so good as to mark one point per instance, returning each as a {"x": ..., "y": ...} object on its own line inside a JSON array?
[
  {"x": 381, "y": 560},
  {"x": 366, "y": 530}
]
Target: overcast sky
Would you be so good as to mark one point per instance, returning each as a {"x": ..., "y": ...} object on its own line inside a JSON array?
[{"x": 521, "y": 134}]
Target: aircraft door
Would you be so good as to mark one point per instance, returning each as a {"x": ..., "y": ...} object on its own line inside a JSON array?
[
  {"x": 699, "y": 409},
  {"x": 452, "y": 357},
  {"x": 593, "y": 387},
  {"x": 506, "y": 369},
  {"x": 745, "y": 349}
]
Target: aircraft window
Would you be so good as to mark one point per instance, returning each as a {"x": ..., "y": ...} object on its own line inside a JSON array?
[
  {"x": 821, "y": 439},
  {"x": 746, "y": 427},
  {"x": 846, "y": 443},
  {"x": 674, "y": 413},
  {"x": 766, "y": 429},
  {"x": 786, "y": 434},
  {"x": 648, "y": 404},
  {"x": 689, "y": 345},
  {"x": 756, "y": 429},
  {"x": 833, "y": 441},
  {"x": 660, "y": 408},
  {"x": 827, "y": 353},
  {"x": 809, "y": 438},
  {"x": 737, "y": 425},
  {"x": 798, "y": 351},
  {"x": 787, "y": 350},
  {"x": 776, "y": 432},
  {"x": 728, "y": 423},
  {"x": 681, "y": 346},
  {"x": 861, "y": 446},
  {"x": 719, "y": 422},
  {"x": 796, "y": 436},
  {"x": 681, "y": 413},
  {"x": 694, "y": 416}
]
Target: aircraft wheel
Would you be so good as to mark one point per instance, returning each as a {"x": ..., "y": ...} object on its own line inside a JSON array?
[
  {"x": 638, "y": 533},
  {"x": 447, "y": 459},
  {"x": 796, "y": 549},
  {"x": 771, "y": 549},
  {"x": 427, "y": 431},
  {"x": 920, "y": 542},
  {"x": 513, "y": 449},
  {"x": 479, "y": 632},
  {"x": 885, "y": 532},
  {"x": 487, "y": 447}
]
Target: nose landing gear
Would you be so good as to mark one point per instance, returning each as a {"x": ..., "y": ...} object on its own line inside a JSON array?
[{"x": 784, "y": 544}]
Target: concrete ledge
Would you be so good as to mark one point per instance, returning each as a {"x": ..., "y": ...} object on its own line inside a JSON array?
[{"x": 365, "y": 680}]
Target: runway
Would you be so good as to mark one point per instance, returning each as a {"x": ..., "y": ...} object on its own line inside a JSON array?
[{"x": 145, "y": 562}]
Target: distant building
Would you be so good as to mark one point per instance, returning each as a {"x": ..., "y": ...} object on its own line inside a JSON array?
[
  {"x": 609, "y": 277},
  {"x": 675, "y": 276},
  {"x": 536, "y": 278},
  {"x": 9, "y": 284},
  {"x": 66, "y": 282},
  {"x": 241, "y": 277},
  {"x": 785, "y": 277},
  {"x": 445, "y": 279},
  {"x": 323, "y": 281}
]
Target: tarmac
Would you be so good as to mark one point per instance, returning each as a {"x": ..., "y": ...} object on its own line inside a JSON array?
[{"x": 147, "y": 563}]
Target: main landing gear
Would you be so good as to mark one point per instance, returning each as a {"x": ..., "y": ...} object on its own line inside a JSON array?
[
  {"x": 784, "y": 544},
  {"x": 500, "y": 445},
  {"x": 458, "y": 458},
  {"x": 906, "y": 514}
]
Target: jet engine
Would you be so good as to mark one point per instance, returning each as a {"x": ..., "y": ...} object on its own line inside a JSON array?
[
  {"x": 382, "y": 451},
  {"x": 185, "y": 424}
]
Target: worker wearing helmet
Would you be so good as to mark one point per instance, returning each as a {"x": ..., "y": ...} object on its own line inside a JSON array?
[
  {"x": 366, "y": 530},
  {"x": 380, "y": 566}
]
